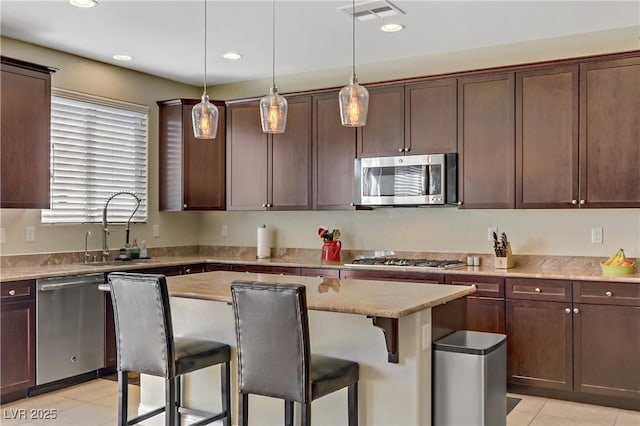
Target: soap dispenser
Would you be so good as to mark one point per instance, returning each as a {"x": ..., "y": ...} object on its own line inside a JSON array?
[{"x": 135, "y": 250}]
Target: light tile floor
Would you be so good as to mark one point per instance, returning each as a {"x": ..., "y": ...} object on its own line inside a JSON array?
[{"x": 95, "y": 404}]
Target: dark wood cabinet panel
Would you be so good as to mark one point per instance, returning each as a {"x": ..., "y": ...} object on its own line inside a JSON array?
[
  {"x": 246, "y": 158},
  {"x": 290, "y": 160},
  {"x": 216, "y": 267},
  {"x": 606, "y": 293},
  {"x": 606, "y": 350},
  {"x": 486, "y": 146},
  {"x": 264, "y": 269},
  {"x": 547, "y": 138},
  {"x": 485, "y": 286},
  {"x": 609, "y": 133},
  {"x": 334, "y": 150},
  {"x": 538, "y": 289},
  {"x": 269, "y": 171},
  {"x": 110, "y": 349},
  {"x": 419, "y": 277},
  {"x": 25, "y": 135},
  {"x": 485, "y": 314},
  {"x": 17, "y": 339},
  {"x": 431, "y": 117},
  {"x": 384, "y": 133},
  {"x": 191, "y": 171},
  {"x": 540, "y": 344}
]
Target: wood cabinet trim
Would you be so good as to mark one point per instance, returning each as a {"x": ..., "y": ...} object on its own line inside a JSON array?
[{"x": 538, "y": 289}]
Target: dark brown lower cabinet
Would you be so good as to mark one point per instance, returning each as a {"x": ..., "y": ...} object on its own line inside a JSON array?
[
  {"x": 540, "y": 344},
  {"x": 110, "y": 351},
  {"x": 418, "y": 277},
  {"x": 607, "y": 350},
  {"x": 485, "y": 309},
  {"x": 17, "y": 339},
  {"x": 263, "y": 269}
]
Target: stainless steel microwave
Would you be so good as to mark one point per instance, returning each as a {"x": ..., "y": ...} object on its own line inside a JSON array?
[{"x": 411, "y": 180}]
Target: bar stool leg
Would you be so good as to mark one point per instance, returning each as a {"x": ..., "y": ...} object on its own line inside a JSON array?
[
  {"x": 123, "y": 397},
  {"x": 179, "y": 386},
  {"x": 352, "y": 401},
  {"x": 243, "y": 409},
  {"x": 305, "y": 414},
  {"x": 288, "y": 413},
  {"x": 225, "y": 379},
  {"x": 170, "y": 402}
]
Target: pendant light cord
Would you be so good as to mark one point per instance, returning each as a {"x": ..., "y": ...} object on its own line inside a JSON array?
[
  {"x": 273, "y": 44},
  {"x": 353, "y": 35},
  {"x": 204, "y": 90}
]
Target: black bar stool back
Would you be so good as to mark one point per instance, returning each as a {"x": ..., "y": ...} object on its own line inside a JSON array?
[
  {"x": 145, "y": 344},
  {"x": 272, "y": 332}
]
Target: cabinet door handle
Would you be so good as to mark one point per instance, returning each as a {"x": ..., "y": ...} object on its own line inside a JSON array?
[
  {"x": 567, "y": 310},
  {"x": 188, "y": 270},
  {"x": 407, "y": 149},
  {"x": 12, "y": 292},
  {"x": 353, "y": 204},
  {"x": 574, "y": 202},
  {"x": 400, "y": 149},
  {"x": 537, "y": 290},
  {"x": 264, "y": 205},
  {"x": 582, "y": 202},
  {"x": 184, "y": 206},
  {"x": 576, "y": 310},
  {"x": 459, "y": 203},
  {"x": 269, "y": 205},
  {"x": 609, "y": 294}
]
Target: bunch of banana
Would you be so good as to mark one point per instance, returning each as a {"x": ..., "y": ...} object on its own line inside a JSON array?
[{"x": 618, "y": 258}]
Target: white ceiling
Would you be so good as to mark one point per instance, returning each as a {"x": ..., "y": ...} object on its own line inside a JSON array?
[{"x": 165, "y": 38}]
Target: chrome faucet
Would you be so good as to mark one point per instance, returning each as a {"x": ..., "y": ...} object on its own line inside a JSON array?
[
  {"x": 87, "y": 235},
  {"x": 105, "y": 229}
]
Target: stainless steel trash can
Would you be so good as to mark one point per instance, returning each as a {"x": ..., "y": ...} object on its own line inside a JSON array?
[{"x": 470, "y": 379}]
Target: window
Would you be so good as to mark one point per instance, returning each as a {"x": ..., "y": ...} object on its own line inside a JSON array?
[{"x": 98, "y": 148}]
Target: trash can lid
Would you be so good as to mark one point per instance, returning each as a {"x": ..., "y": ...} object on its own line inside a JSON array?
[{"x": 470, "y": 342}]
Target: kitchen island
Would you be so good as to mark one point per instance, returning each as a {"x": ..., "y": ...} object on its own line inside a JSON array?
[{"x": 345, "y": 317}]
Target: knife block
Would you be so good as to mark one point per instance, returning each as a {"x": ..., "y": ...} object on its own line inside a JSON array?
[{"x": 504, "y": 262}]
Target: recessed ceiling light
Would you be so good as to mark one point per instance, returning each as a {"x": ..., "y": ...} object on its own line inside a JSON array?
[
  {"x": 232, "y": 56},
  {"x": 122, "y": 57},
  {"x": 83, "y": 3},
  {"x": 392, "y": 28}
]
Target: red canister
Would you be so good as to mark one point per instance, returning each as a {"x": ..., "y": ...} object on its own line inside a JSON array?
[{"x": 331, "y": 251}]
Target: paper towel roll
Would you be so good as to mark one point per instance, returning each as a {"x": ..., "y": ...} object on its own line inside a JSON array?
[{"x": 264, "y": 242}]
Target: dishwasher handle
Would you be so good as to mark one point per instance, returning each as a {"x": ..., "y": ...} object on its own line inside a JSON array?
[{"x": 65, "y": 285}]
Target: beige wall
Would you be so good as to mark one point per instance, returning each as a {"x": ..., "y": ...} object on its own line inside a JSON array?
[
  {"x": 96, "y": 78},
  {"x": 562, "y": 232}
]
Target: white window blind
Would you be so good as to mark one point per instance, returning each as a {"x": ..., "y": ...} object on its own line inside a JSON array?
[{"x": 98, "y": 148}]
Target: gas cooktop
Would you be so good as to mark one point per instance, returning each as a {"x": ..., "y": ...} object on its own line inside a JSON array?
[{"x": 396, "y": 261}]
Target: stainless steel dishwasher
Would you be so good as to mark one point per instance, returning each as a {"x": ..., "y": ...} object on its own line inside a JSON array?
[{"x": 69, "y": 326}]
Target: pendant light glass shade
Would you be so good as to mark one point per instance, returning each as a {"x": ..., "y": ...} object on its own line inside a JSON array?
[
  {"x": 273, "y": 107},
  {"x": 204, "y": 115},
  {"x": 354, "y": 104},
  {"x": 353, "y": 98},
  {"x": 205, "y": 119},
  {"x": 273, "y": 112}
]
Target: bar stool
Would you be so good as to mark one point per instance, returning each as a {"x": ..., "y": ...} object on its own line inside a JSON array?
[
  {"x": 145, "y": 344},
  {"x": 272, "y": 332}
]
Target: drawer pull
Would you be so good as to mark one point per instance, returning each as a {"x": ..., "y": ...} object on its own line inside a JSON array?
[
  {"x": 576, "y": 310},
  {"x": 537, "y": 290},
  {"x": 567, "y": 310},
  {"x": 609, "y": 294},
  {"x": 12, "y": 292}
]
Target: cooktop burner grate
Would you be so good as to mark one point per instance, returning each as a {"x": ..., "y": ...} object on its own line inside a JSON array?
[{"x": 396, "y": 261}]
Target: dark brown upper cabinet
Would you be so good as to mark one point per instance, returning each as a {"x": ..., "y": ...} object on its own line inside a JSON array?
[
  {"x": 192, "y": 172},
  {"x": 547, "y": 138},
  {"x": 610, "y": 133},
  {"x": 486, "y": 157},
  {"x": 334, "y": 150},
  {"x": 269, "y": 172},
  {"x": 431, "y": 117},
  {"x": 25, "y": 140},
  {"x": 384, "y": 133}
]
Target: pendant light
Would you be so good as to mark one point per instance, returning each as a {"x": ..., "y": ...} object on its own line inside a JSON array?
[
  {"x": 273, "y": 107},
  {"x": 353, "y": 98},
  {"x": 205, "y": 114}
]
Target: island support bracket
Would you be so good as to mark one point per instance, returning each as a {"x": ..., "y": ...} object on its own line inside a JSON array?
[{"x": 389, "y": 328}]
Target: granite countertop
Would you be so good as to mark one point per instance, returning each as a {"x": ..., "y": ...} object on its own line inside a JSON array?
[
  {"x": 363, "y": 297},
  {"x": 547, "y": 267}
]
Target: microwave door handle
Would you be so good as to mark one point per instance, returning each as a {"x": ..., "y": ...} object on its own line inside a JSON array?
[{"x": 425, "y": 179}]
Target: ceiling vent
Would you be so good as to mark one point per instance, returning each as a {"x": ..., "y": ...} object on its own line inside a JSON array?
[{"x": 370, "y": 10}]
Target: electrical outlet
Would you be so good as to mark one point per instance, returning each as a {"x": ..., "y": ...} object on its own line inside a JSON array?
[
  {"x": 29, "y": 234},
  {"x": 490, "y": 231},
  {"x": 224, "y": 230},
  {"x": 3, "y": 235},
  {"x": 156, "y": 231},
  {"x": 596, "y": 235}
]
